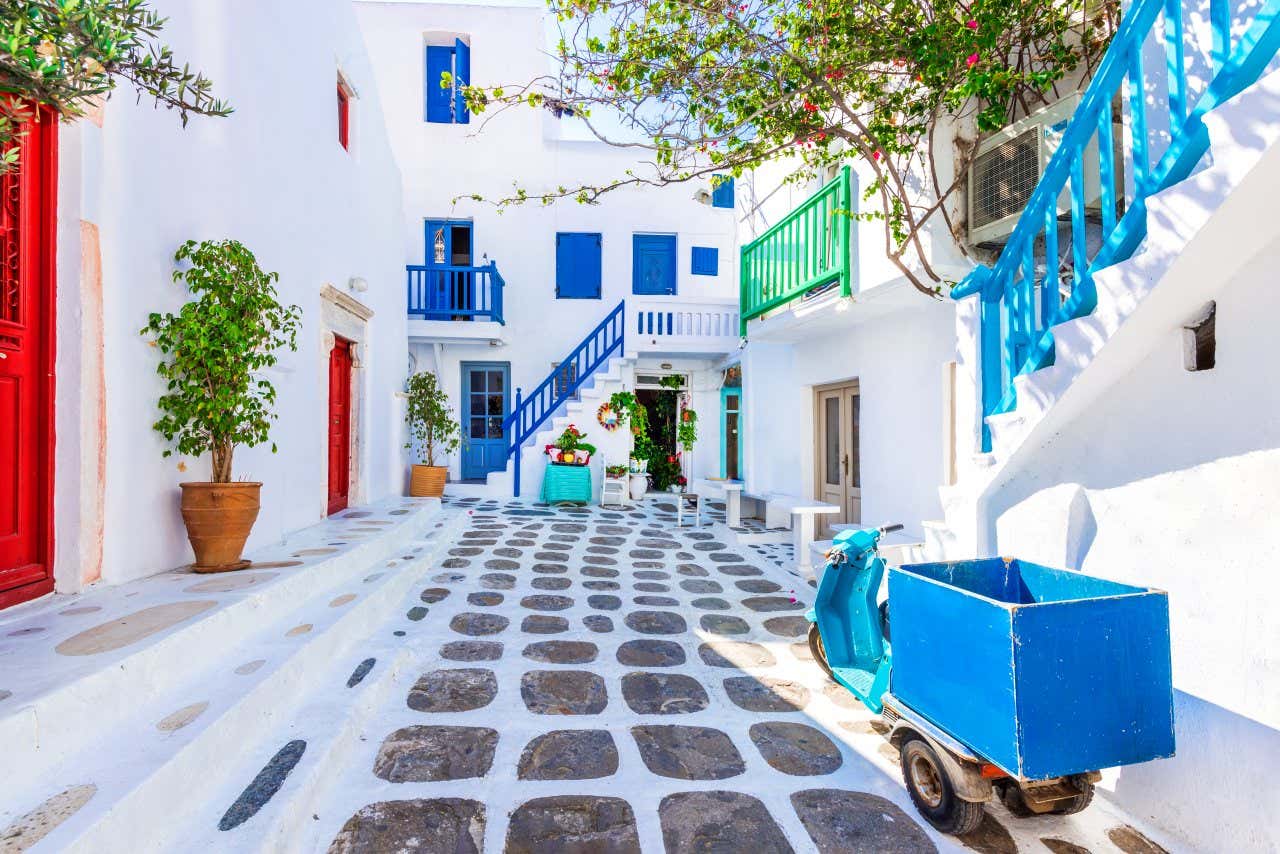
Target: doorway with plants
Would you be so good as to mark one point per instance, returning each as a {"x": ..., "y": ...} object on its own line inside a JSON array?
[{"x": 663, "y": 427}]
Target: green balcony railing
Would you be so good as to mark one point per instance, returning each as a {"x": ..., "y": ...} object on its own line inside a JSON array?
[{"x": 808, "y": 249}]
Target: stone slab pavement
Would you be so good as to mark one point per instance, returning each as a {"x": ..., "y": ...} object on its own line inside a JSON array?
[{"x": 594, "y": 680}]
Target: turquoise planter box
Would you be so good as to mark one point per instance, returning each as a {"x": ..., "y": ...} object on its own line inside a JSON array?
[
  {"x": 1043, "y": 672},
  {"x": 564, "y": 483}
]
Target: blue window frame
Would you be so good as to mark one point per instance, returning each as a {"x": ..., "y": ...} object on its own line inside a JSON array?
[
  {"x": 731, "y": 420},
  {"x": 653, "y": 264},
  {"x": 578, "y": 265},
  {"x": 445, "y": 104},
  {"x": 722, "y": 195},
  {"x": 706, "y": 261}
]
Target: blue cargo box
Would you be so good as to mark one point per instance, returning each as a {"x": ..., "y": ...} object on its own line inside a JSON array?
[{"x": 1043, "y": 672}]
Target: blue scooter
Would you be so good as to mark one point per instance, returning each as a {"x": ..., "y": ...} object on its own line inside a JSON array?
[{"x": 948, "y": 782}]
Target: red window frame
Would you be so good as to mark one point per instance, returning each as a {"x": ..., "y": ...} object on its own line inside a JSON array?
[{"x": 344, "y": 117}]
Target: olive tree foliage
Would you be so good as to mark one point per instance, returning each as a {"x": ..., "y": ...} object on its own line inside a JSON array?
[
  {"x": 708, "y": 88},
  {"x": 430, "y": 417},
  {"x": 64, "y": 54},
  {"x": 215, "y": 350}
]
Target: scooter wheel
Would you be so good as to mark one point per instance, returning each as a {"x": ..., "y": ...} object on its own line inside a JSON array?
[
  {"x": 819, "y": 650},
  {"x": 932, "y": 792}
]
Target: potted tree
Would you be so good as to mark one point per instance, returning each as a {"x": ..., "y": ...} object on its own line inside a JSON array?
[
  {"x": 215, "y": 397},
  {"x": 432, "y": 425}
]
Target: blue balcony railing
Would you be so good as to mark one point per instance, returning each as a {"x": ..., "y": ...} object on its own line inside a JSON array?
[
  {"x": 447, "y": 292},
  {"x": 1032, "y": 287}
]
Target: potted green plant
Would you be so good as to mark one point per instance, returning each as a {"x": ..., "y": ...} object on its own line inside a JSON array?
[
  {"x": 432, "y": 424},
  {"x": 569, "y": 449},
  {"x": 214, "y": 351}
]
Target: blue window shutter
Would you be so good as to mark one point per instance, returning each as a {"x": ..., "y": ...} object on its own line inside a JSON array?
[
  {"x": 722, "y": 195},
  {"x": 706, "y": 261},
  {"x": 439, "y": 101},
  {"x": 461, "y": 77},
  {"x": 578, "y": 265}
]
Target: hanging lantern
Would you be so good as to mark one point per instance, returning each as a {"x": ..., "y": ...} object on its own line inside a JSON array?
[{"x": 439, "y": 246}]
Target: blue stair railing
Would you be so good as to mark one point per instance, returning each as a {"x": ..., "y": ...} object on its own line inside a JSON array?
[
  {"x": 1020, "y": 304},
  {"x": 563, "y": 383},
  {"x": 452, "y": 292}
]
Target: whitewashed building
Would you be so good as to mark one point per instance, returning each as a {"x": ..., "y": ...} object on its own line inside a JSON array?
[
  {"x": 123, "y": 189},
  {"x": 497, "y": 299}
]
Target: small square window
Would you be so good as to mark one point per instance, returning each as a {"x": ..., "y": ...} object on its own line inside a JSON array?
[
  {"x": 344, "y": 116},
  {"x": 706, "y": 261}
]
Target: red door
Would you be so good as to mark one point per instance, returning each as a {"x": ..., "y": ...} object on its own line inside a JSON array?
[
  {"x": 339, "y": 425},
  {"x": 27, "y": 226}
]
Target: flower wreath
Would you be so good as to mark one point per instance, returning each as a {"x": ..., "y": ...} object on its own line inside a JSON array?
[{"x": 608, "y": 417}]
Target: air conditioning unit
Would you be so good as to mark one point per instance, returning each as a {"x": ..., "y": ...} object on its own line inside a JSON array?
[{"x": 1008, "y": 164}]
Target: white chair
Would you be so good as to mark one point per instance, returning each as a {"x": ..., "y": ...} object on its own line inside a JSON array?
[
  {"x": 689, "y": 502},
  {"x": 610, "y": 487}
]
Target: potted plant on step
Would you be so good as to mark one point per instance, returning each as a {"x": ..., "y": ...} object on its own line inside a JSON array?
[
  {"x": 431, "y": 422},
  {"x": 214, "y": 351}
]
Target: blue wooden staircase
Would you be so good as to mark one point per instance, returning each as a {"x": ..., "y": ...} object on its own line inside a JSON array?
[
  {"x": 1023, "y": 297},
  {"x": 562, "y": 384}
]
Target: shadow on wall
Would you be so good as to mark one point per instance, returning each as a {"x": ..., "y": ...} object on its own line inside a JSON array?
[{"x": 1222, "y": 758}]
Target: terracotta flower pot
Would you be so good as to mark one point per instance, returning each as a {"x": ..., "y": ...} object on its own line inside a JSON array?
[
  {"x": 219, "y": 517},
  {"x": 427, "y": 481}
]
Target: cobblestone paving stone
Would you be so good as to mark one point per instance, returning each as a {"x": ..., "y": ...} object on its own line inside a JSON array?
[{"x": 674, "y": 706}]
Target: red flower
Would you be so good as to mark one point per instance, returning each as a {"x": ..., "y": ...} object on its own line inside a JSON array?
[
  {"x": 972, "y": 60},
  {"x": 810, "y": 107},
  {"x": 671, "y": 459},
  {"x": 971, "y": 24}
]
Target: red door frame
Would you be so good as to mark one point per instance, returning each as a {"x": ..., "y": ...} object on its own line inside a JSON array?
[
  {"x": 37, "y": 275},
  {"x": 339, "y": 422}
]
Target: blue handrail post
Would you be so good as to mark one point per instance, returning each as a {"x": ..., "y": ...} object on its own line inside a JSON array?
[{"x": 518, "y": 442}]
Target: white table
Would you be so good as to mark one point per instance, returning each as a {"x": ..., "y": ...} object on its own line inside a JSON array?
[
  {"x": 802, "y": 529},
  {"x": 731, "y": 491}
]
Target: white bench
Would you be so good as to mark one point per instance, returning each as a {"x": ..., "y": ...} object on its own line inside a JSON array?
[{"x": 730, "y": 491}]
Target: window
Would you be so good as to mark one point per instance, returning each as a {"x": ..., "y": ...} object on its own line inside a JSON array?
[
  {"x": 344, "y": 116},
  {"x": 578, "y": 270},
  {"x": 706, "y": 261},
  {"x": 722, "y": 193},
  {"x": 444, "y": 101}
]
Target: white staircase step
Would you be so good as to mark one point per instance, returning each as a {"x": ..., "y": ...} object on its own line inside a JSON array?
[{"x": 143, "y": 778}]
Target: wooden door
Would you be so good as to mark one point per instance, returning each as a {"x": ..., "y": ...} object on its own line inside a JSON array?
[
  {"x": 839, "y": 469},
  {"x": 653, "y": 268},
  {"x": 486, "y": 400},
  {"x": 339, "y": 425},
  {"x": 28, "y": 196}
]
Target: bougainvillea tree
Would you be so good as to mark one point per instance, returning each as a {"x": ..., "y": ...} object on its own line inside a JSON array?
[
  {"x": 709, "y": 88},
  {"x": 64, "y": 54}
]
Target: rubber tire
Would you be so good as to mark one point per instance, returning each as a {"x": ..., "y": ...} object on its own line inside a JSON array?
[
  {"x": 1080, "y": 802},
  {"x": 1011, "y": 797},
  {"x": 952, "y": 815},
  {"x": 819, "y": 650}
]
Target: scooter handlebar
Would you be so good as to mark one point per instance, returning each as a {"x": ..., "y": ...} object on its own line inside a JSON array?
[{"x": 889, "y": 529}]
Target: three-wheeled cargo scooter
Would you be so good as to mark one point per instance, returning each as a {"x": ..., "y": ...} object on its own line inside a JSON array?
[{"x": 1000, "y": 678}]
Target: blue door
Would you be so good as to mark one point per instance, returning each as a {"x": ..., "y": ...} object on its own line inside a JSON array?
[
  {"x": 450, "y": 285},
  {"x": 486, "y": 399},
  {"x": 653, "y": 267}
]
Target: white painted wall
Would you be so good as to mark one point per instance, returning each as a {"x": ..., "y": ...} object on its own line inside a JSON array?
[
  {"x": 490, "y": 156},
  {"x": 273, "y": 176},
  {"x": 898, "y": 360},
  {"x": 1172, "y": 479}
]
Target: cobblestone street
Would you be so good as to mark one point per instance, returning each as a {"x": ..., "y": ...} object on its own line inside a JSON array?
[{"x": 591, "y": 680}]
